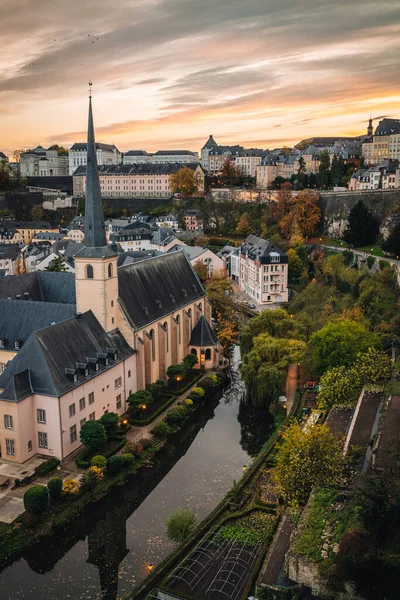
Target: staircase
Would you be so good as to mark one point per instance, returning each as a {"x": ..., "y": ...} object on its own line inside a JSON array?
[{"x": 156, "y": 441}]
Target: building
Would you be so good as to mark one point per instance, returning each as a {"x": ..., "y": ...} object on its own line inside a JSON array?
[
  {"x": 42, "y": 162},
  {"x": 137, "y": 181},
  {"x": 83, "y": 342},
  {"x": 164, "y": 239},
  {"x": 263, "y": 271},
  {"x": 210, "y": 144},
  {"x": 133, "y": 237},
  {"x": 384, "y": 144},
  {"x": 3, "y": 157},
  {"x": 181, "y": 157},
  {"x": 106, "y": 154},
  {"x": 10, "y": 259},
  {"x": 198, "y": 254},
  {"x": 193, "y": 220},
  {"x": 170, "y": 221},
  {"x": 9, "y": 234},
  {"x": 384, "y": 176},
  {"x": 247, "y": 161},
  {"x": 136, "y": 157},
  {"x": 217, "y": 157}
]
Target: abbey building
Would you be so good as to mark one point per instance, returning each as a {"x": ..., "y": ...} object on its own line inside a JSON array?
[{"x": 73, "y": 346}]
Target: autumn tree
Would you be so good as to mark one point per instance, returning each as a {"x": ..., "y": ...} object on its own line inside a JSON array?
[
  {"x": 276, "y": 323},
  {"x": 301, "y": 172},
  {"x": 36, "y": 213},
  {"x": 201, "y": 270},
  {"x": 183, "y": 182},
  {"x": 339, "y": 387},
  {"x": 304, "y": 214},
  {"x": 282, "y": 205},
  {"x": 374, "y": 365},
  {"x": 243, "y": 227},
  {"x": 17, "y": 153},
  {"x": 307, "y": 457},
  {"x": 219, "y": 292}
]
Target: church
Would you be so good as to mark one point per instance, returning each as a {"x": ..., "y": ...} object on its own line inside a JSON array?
[{"x": 75, "y": 345}]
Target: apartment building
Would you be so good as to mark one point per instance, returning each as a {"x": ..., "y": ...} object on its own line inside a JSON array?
[
  {"x": 106, "y": 154},
  {"x": 42, "y": 162}
]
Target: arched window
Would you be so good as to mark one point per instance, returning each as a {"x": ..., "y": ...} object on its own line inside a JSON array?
[
  {"x": 200, "y": 307},
  {"x": 89, "y": 272},
  {"x": 166, "y": 335},
  {"x": 208, "y": 354},
  {"x": 193, "y": 351},
  {"x": 178, "y": 324},
  {"x": 190, "y": 313},
  {"x": 110, "y": 270},
  {"x": 153, "y": 345}
]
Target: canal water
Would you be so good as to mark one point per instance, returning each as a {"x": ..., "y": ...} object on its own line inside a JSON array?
[{"x": 105, "y": 552}]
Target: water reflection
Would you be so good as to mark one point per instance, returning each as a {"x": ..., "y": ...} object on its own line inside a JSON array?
[{"x": 104, "y": 553}]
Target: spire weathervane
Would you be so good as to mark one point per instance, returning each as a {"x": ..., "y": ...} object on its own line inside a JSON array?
[{"x": 90, "y": 89}]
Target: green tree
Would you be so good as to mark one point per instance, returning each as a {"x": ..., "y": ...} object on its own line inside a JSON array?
[
  {"x": 307, "y": 457},
  {"x": 301, "y": 172},
  {"x": 374, "y": 365},
  {"x": 264, "y": 368},
  {"x": 339, "y": 387},
  {"x": 339, "y": 343},
  {"x": 4, "y": 175},
  {"x": 115, "y": 464},
  {"x": 183, "y": 182},
  {"x": 392, "y": 244},
  {"x": 93, "y": 434},
  {"x": 157, "y": 389},
  {"x": 57, "y": 265},
  {"x": 377, "y": 301},
  {"x": 180, "y": 525},
  {"x": 363, "y": 226},
  {"x": 110, "y": 422},
  {"x": 175, "y": 371},
  {"x": 36, "y": 499},
  {"x": 296, "y": 266},
  {"x": 139, "y": 398},
  {"x": 55, "y": 486},
  {"x": 324, "y": 168},
  {"x": 36, "y": 213},
  {"x": 277, "y": 323},
  {"x": 189, "y": 362}
]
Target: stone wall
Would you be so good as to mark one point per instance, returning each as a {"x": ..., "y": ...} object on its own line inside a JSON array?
[{"x": 335, "y": 207}]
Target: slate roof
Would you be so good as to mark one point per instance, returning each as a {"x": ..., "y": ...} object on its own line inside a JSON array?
[
  {"x": 151, "y": 289},
  {"x": 2, "y": 156},
  {"x": 99, "y": 146},
  {"x": 9, "y": 251},
  {"x": 192, "y": 252},
  {"x": 163, "y": 236},
  {"x": 259, "y": 249},
  {"x": 50, "y": 351},
  {"x": 203, "y": 334},
  {"x": 42, "y": 286},
  {"x": 210, "y": 143},
  {"x": 131, "y": 256},
  {"x": 20, "y": 318},
  {"x": 387, "y": 127},
  {"x": 173, "y": 153},
  {"x": 138, "y": 169},
  {"x": 136, "y": 153}
]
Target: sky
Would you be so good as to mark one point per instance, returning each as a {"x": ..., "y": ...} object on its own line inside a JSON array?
[{"x": 168, "y": 73}]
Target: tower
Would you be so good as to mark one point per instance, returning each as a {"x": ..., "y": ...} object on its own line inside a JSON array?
[
  {"x": 370, "y": 129},
  {"x": 96, "y": 278}
]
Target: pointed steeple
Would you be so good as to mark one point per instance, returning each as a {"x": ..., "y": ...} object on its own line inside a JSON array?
[{"x": 95, "y": 235}]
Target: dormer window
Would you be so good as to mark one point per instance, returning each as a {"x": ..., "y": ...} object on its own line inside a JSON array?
[
  {"x": 75, "y": 377},
  {"x": 2, "y": 343},
  {"x": 107, "y": 361},
  {"x": 96, "y": 367},
  {"x": 17, "y": 344}
]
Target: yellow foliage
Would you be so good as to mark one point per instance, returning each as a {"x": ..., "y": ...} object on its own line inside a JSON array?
[{"x": 72, "y": 487}]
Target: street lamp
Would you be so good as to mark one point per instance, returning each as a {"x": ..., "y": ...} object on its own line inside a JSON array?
[
  {"x": 244, "y": 468},
  {"x": 143, "y": 406},
  {"x": 179, "y": 379},
  {"x": 150, "y": 567}
]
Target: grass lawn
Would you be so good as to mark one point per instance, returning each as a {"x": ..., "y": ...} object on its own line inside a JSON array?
[
  {"x": 373, "y": 249},
  {"x": 327, "y": 241}
]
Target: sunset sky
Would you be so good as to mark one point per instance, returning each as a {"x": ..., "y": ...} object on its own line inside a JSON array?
[{"x": 167, "y": 73}]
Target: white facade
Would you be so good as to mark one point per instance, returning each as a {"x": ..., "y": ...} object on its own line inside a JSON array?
[
  {"x": 248, "y": 161},
  {"x": 182, "y": 157},
  {"x": 168, "y": 221},
  {"x": 136, "y": 157},
  {"x": 105, "y": 154},
  {"x": 40, "y": 162}
]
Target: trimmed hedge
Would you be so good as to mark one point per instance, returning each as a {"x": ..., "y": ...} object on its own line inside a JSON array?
[
  {"x": 115, "y": 464},
  {"x": 55, "y": 486},
  {"x": 150, "y": 418},
  {"x": 108, "y": 449},
  {"x": 36, "y": 499},
  {"x": 48, "y": 466}
]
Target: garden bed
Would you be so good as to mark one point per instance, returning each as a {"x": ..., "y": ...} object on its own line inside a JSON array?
[
  {"x": 153, "y": 410},
  {"x": 108, "y": 449}
]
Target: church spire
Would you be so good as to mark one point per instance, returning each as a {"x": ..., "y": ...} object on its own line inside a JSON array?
[{"x": 95, "y": 236}]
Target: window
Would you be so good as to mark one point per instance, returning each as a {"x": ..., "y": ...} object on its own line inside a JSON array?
[
  {"x": 92, "y": 416},
  {"x": 208, "y": 354},
  {"x": 82, "y": 422},
  {"x": 119, "y": 402},
  {"x": 82, "y": 403},
  {"x": 8, "y": 422},
  {"x": 2, "y": 367},
  {"x": 72, "y": 434},
  {"x": 129, "y": 373},
  {"x": 89, "y": 272},
  {"x": 30, "y": 446},
  {"x": 112, "y": 303},
  {"x": 91, "y": 398},
  {"x": 42, "y": 439},
  {"x": 41, "y": 415},
  {"x": 110, "y": 270},
  {"x": 118, "y": 383},
  {"x": 10, "y": 447},
  {"x": 72, "y": 410}
]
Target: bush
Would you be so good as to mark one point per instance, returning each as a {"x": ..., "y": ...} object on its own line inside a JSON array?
[
  {"x": 47, "y": 466},
  {"x": 161, "y": 430},
  {"x": 71, "y": 487},
  {"x": 180, "y": 525},
  {"x": 55, "y": 486},
  {"x": 138, "y": 450},
  {"x": 83, "y": 461},
  {"x": 370, "y": 261},
  {"x": 128, "y": 460},
  {"x": 173, "y": 417},
  {"x": 93, "y": 434},
  {"x": 36, "y": 499},
  {"x": 156, "y": 389},
  {"x": 114, "y": 464},
  {"x": 92, "y": 476},
  {"x": 145, "y": 443},
  {"x": 188, "y": 402},
  {"x": 139, "y": 399},
  {"x": 181, "y": 410},
  {"x": 199, "y": 391},
  {"x": 189, "y": 362},
  {"x": 384, "y": 264},
  {"x": 98, "y": 461}
]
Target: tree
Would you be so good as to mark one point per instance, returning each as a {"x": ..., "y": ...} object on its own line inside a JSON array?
[
  {"x": 277, "y": 323},
  {"x": 175, "y": 371},
  {"x": 264, "y": 368},
  {"x": 57, "y": 265},
  {"x": 139, "y": 399},
  {"x": 362, "y": 226},
  {"x": 36, "y": 499},
  {"x": 339, "y": 387},
  {"x": 17, "y": 154},
  {"x": 304, "y": 214},
  {"x": 93, "y": 434},
  {"x": 301, "y": 171},
  {"x": 307, "y": 457},
  {"x": 324, "y": 167},
  {"x": 156, "y": 389},
  {"x": 201, "y": 270},
  {"x": 183, "y": 182},
  {"x": 243, "y": 227},
  {"x": 110, "y": 421},
  {"x": 392, "y": 244},
  {"x": 180, "y": 525},
  {"x": 4, "y": 175},
  {"x": 55, "y": 487},
  {"x": 115, "y": 464},
  {"x": 295, "y": 266},
  {"x": 374, "y": 365},
  {"x": 339, "y": 343},
  {"x": 189, "y": 362},
  {"x": 36, "y": 213}
]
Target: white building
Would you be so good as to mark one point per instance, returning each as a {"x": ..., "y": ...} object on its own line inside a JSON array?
[
  {"x": 106, "y": 154},
  {"x": 40, "y": 162},
  {"x": 385, "y": 176},
  {"x": 170, "y": 221},
  {"x": 136, "y": 157},
  {"x": 9, "y": 258},
  {"x": 263, "y": 271},
  {"x": 198, "y": 254},
  {"x": 247, "y": 161},
  {"x": 210, "y": 144},
  {"x": 182, "y": 157}
]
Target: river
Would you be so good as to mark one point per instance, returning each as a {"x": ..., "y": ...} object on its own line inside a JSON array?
[{"x": 105, "y": 552}]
